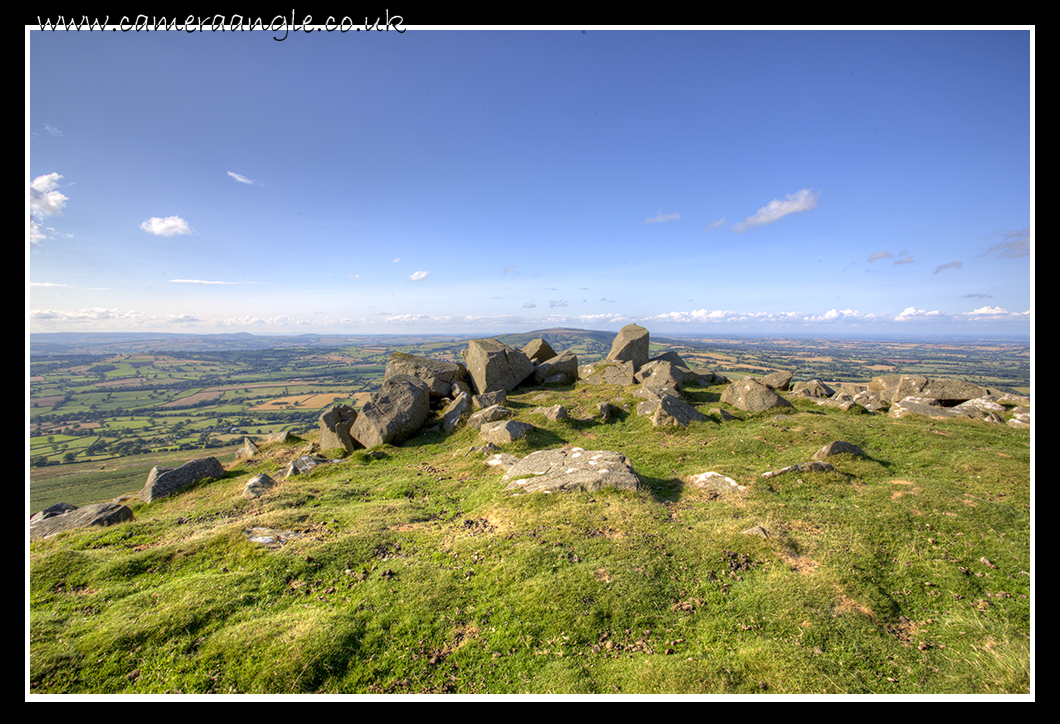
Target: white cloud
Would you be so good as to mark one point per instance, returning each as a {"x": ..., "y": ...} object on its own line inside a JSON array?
[
  {"x": 880, "y": 255},
  {"x": 418, "y": 276},
  {"x": 44, "y": 201},
  {"x": 244, "y": 180},
  {"x": 775, "y": 210},
  {"x": 906, "y": 260},
  {"x": 713, "y": 225},
  {"x": 659, "y": 218},
  {"x": 169, "y": 226}
]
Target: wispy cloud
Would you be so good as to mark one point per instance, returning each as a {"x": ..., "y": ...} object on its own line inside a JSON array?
[
  {"x": 658, "y": 218},
  {"x": 44, "y": 201},
  {"x": 529, "y": 305},
  {"x": 169, "y": 226},
  {"x": 418, "y": 276},
  {"x": 1014, "y": 244},
  {"x": 244, "y": 180},
  {"x": 713, "y": 225},
  {"x": 558, "y": 303},
  {"x": 905, "y": 260},
  {"x": 947, "y": 265},
  {"x": 884, "y": 254},
  {"x": 206, "y": 281},
  {"x": 775, "y": 210}
]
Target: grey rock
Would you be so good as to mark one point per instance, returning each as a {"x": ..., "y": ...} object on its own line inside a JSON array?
[
  {"x": 607, "y": 373},
  {"x": 814, "y": 466},
  {"x": 838, "y": 447},
  {"x": 257, "y": 485},
  {"x": 163, "y": 481},
  {"x": 394, "y": 412},
  {"x": 303, "y": 464},
  {"x": 661, "y": 373},
  {"x": 926, "y": 407},
  {"x": 812, "y": 388},
  {"x": 335, "y": 427},
  {"x": 538, "y": 350},
  {"x": 249, "y": 448},
  {"x": 630, "y": 345},
  {"x": 556, "y": 412},
  {"x": 489, "y": 399},
  {"x": 675, "y": 412},
  {"x": 73, "y": 517},
  {"x": 571, "y": 469},
  {"x": 494, "y": 365},
  {"x": 778, "y": 380},
  {"x": 503, "y": 432},
  {"x": 717, "y": 485},
  {"x": 565, "y": 364},
  {"x": 439, "y": 375},
  {"x": 455, "y": 410},
  {"x": 948, "y": 392},
  {"x": 493, "y": 413},
  {"x": 751, "y": 395}
]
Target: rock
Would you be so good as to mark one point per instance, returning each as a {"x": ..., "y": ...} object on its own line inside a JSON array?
[
  {"x": 607, "y": 373},
  {"x": 495, "y": 366},
  {"x": 751, "y": 395},
  {"x": 163, "y": 481},
  {"x": 493, "y": 413},
  {"x": 556, "y": 412},
  {"x": 630, "y": 345},
  {"x": 922, "y": 406},
  {"x": 571, "y": 469},
  {"x": 661, "y": 373},
  {"x": 565, "y": 364},
  {"x": 778, "y": 380},
  {"x": 758, "y": 531},
  {"x": 257, "y": 485},
  {"x": 538, "y": 350},
  {"x": 505, "y": 461},
  {"x": 285, "y": 436},
  {"x": 813, "y": 388},
  {"x": 43, "y": 525},
  {"x": 708, "y": 378},
  {"x": 303, "y": 464},
  {"x": 814, "y": 466},
  {"x": 480, "y": 402},
  {"x": 838, "y": 447},
  {"x": 673, "y": 411},
  {"x": 395, "y": 411},
  {"x": 1022, "y": 419},
  {"x": 335, "y": 429},
  {"x": 717, "y": 484},
  {"x": 249, "y": 448},
  {"x": 948, "y": 392},
  {"x": 439, "y": 375},
  {"x": 503, "y": 432},
  {"x": 455, "y": 410}
]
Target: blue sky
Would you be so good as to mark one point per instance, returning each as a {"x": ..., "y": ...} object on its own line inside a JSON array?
[{"x": 797, "y": 182}]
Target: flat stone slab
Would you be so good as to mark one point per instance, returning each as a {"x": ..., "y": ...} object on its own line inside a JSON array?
[
  {"x": 68, "y": 517},
  {"x": 548, "y": 471}
]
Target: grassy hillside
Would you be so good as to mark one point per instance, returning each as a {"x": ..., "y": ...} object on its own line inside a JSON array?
[{"x": 907, "y": 572}]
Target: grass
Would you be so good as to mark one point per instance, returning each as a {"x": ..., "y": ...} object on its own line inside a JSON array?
[{"x": 413, "y": 572}]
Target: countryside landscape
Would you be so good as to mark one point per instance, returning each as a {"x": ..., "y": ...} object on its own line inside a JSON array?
[{"x": 408, "y": 569}]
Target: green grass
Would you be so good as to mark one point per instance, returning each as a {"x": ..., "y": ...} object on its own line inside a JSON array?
[{"x": 416, "y": 573}]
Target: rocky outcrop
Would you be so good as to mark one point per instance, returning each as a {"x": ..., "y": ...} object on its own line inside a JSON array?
[
  {"x": 494, "y": 365},
  {"x": 607, "y": 373},
  {"x": 163, "y": 481},
  {"x": 630, "y": 345},
  {"x": 394, "y": 412},
  {"x": 813, "y": 388},
  {"x": 571, "y": 469},
  {"x": 63, "y": 516},
  {"x": 439, "y": 375},
  {"x": 751, "y": 395},
  {"x": 538, "y": 351},
  {"x": 559, "y": 369},
  {"x": 948, "y": 392}
]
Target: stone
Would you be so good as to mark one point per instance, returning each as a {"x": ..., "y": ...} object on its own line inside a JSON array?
[
  {"x": 303, "y": 464},
  {"x": 335, "y": 429},
  {"x": 439, "y": 375},
  {"x": 675, "y": 412},
  {"x": 538, "y": 350},
  {"x": 556, "y": 412},
  {"x": 494, "y": 365},
  {"x": 812, "y": 388},
  {"x": 493, "y": 413},
  {"x": 924, "y": 407},
  {"x": 71, "y": 517},
  {"x": 778, "y": 380},
  {"x": 607, "y": 373},
  {"x": 630, "y": 345},
  {"x": 567, "y": 469},
  {"x": 565, "y": 364},
  {"x": 394, "y": 412},
  {"x": 717, "y": 484},
  {"x": 257, "y": 485},
  {"x": 838, "y": 447},
  {"x": 503, "y": 432},
  {"x": 504, "y": 461},
  {"x": 751, "y": 395},
  {"x": 814, "y": 466},
  {"x": 163, "y": 481},
  {"x": 661, "y": 373},
  {"x": 249, "y": 448},
  {"x": 455, "y": 410},
  {"x": 948, "y": 392},
  {"x": 480, "y": 402}
]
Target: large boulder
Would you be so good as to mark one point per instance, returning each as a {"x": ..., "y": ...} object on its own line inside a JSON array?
[
  {"x": 751, "y": 395},
  {"x": 813, "y": 388},
  {"x": 163, "y": 481},
  {"x": 494, "y": 365},
  {"x": 394, "y": 412},
  {"x": 663, "y": 373},
  {"x": 778, "y": 380},
  {"x": 63, "y": 516},
  {"x": 335, "y": 427},
  {"x": 571, "y": 469},
  {"x": 675, "y": 412},
  {"x": 538, "y": 350},
  {"x": 565, "y": 365},
  {"x": 455, "y": 410},
  {"x": 631, "y": 345},
  {"x": 949, "y": 392},
  {"x": 439, "y": 375},
  {"x": 607, "y": 373}
]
